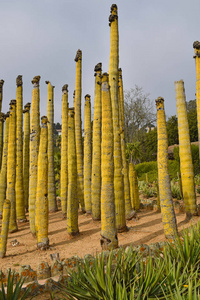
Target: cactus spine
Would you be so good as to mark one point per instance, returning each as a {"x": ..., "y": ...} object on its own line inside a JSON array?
[
  {"x": 51, "y": 172},
  {"x": 34, "y": 148},
  {"x": 11, "y": 166},
  {"x": 5, "y": 228},
  {"x": 186, "y": 166},
  {"x": 64, "y": 153},
  {"x": 96, "y": 153},
  {"x": 78, "y": 129},
  {"x": 72, "y": 201},
  {"x": 166, "y": 203},
  {"x": 87, "y": 155},
  {"x": 41, "y": 203},
  {"x": 128, "y": 207},
  {"x": 3, "y": 173},
  {"x": 26, "y": 145},
  {"x": 20, "y": 209},
  {"x": 108, "y": 226},
  {"x": 113, "y": 81}
]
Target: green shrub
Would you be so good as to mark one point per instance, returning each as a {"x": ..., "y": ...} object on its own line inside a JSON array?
[
  {"x": 149, "y": 169},
  {"x": 175, "y": 190}
]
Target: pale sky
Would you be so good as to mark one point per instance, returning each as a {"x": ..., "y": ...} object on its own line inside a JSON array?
[{"x": 41, "y": 37}]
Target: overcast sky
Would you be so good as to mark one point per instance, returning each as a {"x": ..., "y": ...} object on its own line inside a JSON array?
[{"x": 41, "y": 37}]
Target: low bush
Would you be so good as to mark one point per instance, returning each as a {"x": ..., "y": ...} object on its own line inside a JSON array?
[{"x": 149, "y": 170}]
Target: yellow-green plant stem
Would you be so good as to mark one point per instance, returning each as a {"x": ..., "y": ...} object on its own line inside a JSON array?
[
  {"x": 196, "y": 46},
  {"x": 19, "y": 188},
  {"x": 5, "y": 228},
  {"x": 1, "y": 93},
  {"x": 186, "y": 166},
  {"x": 72, "y": 201},
  {"x": 51, "y": 172},
  {"x": 26, "y": 146},
  {"x": 87, "y": 155},
  {"x": 78, "y": 129},
  {"x": 41, "y": 203},
  {"x": 96, "y": 144},
  {"x": 108, "y": 225},
  {"x": 166, "y": 202},
  {"x": 128, "y": 207},
  {"x": 64, "y": 153},
  {"x": 2, "y": 119},
  {"x": 34, "y": 148},
  {"x": 113, "y": 81},
  {"x": 11, "y": 166},
  {"x": 3, "y": 173}
]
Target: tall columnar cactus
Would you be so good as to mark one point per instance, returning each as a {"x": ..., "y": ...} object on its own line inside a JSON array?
[
  {"x": 5, "y": 228},
  {"x": 72, "y": 201},
  {"x": 128, "y": 207},
  {"x": 78, "y": 129},
  {"x": 1, "y": 93},
  {"x": 64, "y": 153},
  {"x": 19, "y": 188},
  {"x": 196, "y": 46},
  {"x": 2, "y": 119},
  {"x": 166, "y": 202},
  {"x": 11, "y": 166},
  {"x": 26, "y": 145},
  {"x": 34, "y": 148},
  {"x": 41, "y": 203},
  {"x": 96, "y": 143},
  {"x": 3, "y": 172},
  {"x": 134, "y": 191},
  {"x": 108, "y": 225},
  {"x": 186, "y": 166},
  {"x": 87, "y": 155},
  {"x": 51, "y": 171},
  {"x": 113, "y": 81}
]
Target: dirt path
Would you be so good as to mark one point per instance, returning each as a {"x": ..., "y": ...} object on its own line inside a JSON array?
[{"x": 148, "y": 229}]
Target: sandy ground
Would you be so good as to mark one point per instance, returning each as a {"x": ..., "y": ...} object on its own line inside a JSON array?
[{"x": 148, "y": 229}]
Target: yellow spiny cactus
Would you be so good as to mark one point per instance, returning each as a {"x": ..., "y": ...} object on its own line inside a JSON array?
[
  {"x": 34, "y": 148},
  {"x": 26, "y": 152},
  {"x": 64, "y": 153},
  {"x": 3, "y": 173},
  {"x": 134, "y": 191},
  {"x": 87, "y": 155},
  {"x": 72, "y": 201},
  {"x": 78, "y": 129},
  {"x": 51, "y": 171},
  {"x": 196, "y": 46},
  {"x": 96, "y": 144},
  {"x": 19, "y": 188},
  {"x": 186, "y": 166},
  {"x": 113, "y": 81},
  {"x": 128, "y": 207},
  {"x": 1, "y": 93},
  {"x": 41, "y": 203},
  {"x": 11, "y": 166},
  {"x": 5, "y": 228},
  {"x": 108, "y": 225},
  {"x": 2, "y": 119},
  {"x": 166, "y": 203}
]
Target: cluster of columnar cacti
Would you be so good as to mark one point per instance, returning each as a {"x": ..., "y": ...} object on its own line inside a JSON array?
[{"x": 95, "y": 176}]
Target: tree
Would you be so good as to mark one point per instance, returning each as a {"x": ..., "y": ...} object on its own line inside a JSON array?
[
  {"x": 192, "y": 120},
  {"x": 138, "y": 112},
  {"x": 172, "y": 130}
]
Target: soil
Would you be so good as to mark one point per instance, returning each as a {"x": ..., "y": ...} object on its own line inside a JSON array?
[{"x": 148, "y": 229}]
